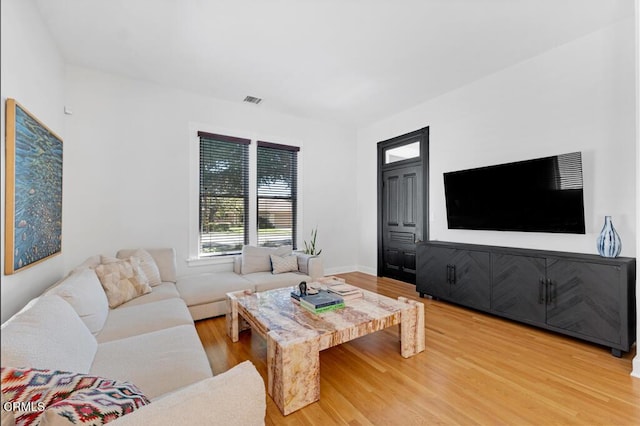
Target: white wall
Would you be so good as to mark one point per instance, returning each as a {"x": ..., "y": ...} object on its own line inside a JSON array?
[
  {"x": 636, "y": 360},
  {"x": 576, "y": 97},
  {"x": 126, "y": 158},
  {"x": 33, "y": 74},
  {"x": 127, "y": 167}
]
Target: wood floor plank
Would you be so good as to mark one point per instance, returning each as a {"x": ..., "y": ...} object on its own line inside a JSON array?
[{"x": 476, "y": 369}]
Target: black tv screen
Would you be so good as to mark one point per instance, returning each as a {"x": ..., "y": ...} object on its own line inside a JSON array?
[{"x": 539, "y": 195}]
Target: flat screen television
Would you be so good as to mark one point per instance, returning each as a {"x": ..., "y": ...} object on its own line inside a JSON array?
[{"x": 538, "y": 195}]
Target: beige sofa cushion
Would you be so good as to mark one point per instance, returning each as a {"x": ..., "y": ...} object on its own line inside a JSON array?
[
  {"x": 160, "y": 292},
  {"x": 90, "y": 262},
  {"x": 157, "y": 362},
  {"x": 122, "y": 280},
  {"x": 83, "y": 291},
  {"x": 257, "y": 259},
  {"x": 210, "y": 287},
  {"x": 48, "y": 334},
  {"x": 127, "y": 321},
  {"x": 235, "y": 397}
]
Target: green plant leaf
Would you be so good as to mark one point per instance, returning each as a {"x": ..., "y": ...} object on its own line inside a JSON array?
[{"x": 310, "y": 248}]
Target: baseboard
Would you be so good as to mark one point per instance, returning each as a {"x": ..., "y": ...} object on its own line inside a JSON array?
[
  {"x": 347, "y": 269},
  {"x": 366, "y": 270},
  {"x": 636, "y": 367},
  {"x": 339, "y": 270}
]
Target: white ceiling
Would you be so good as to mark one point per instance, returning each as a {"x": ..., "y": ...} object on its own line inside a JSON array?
[{"x": 349, "y": 61}]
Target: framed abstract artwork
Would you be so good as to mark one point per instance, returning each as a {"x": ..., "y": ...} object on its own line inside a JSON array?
[{"x": 33, "y": 205}]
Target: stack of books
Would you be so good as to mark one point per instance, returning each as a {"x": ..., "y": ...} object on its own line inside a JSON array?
[
  {"x": 346, "y": 291},
  {"x": 323, "y": 301}
]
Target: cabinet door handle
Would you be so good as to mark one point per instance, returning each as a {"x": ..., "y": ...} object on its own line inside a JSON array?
[
  {"x": 541, "y": 292},
  {"x": 451, "y": 274},
  {"x": 551, "y": 290}
]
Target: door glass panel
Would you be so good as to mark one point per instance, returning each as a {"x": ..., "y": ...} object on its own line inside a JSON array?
[{"x": 401, "y": 153}]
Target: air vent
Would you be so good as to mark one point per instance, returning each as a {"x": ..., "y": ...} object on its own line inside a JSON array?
[{"x": 252, "y": 100}]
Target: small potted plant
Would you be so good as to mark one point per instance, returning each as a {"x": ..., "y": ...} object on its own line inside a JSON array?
[{"x": 310, "y": 247}]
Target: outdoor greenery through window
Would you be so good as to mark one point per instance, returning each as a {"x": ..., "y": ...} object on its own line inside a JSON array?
[
  {"x": 224, "y": 188},
  {"x": 224, "y": 193},
  {"x": 277, "y": 194}
]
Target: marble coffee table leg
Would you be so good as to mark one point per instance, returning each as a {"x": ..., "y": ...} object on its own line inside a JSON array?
[
  {"x": 234, "y": 323},
  {"x": 293, "y": 372},
  {"x": 411, "y": 328}
]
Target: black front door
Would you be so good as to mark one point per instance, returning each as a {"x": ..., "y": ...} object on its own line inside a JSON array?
[
  {"x": 402, "y": 221},
  {"x": 402, "y": 204}
]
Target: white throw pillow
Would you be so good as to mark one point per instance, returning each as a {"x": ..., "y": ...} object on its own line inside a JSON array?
[
  {"x": 122, "y": 280},
  {"x": 83, "y": 291},
  {"x": 282, "y": 264},
  {"x": 257, "y": 259},
  {"x": 148, "y": 265},
  {"x": 48, "y": 334}
]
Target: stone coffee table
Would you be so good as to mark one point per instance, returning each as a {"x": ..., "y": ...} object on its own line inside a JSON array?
[{"x": 296, "y": 336}]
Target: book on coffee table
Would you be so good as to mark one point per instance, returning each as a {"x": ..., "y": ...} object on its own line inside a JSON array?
[
  {"x": 346, "y": 291},
  {"x": 323, "y": 309},
  {"x": 320, "y": 302}
]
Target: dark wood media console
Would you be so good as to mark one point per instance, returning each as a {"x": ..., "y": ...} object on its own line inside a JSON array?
[{"x": 585, "y": 296}]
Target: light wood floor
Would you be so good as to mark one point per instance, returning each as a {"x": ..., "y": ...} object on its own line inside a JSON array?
[{"x": 477, "y": 369}]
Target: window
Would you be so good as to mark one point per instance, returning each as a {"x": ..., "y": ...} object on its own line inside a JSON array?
[
  {"x": 401, "y": 153},
  {"x": 277, "y": 173},
  {"x": 224, "y": 193},
  {"x": 232, "y": 210}
]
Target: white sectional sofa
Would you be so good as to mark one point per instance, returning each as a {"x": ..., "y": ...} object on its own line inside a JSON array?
[{"x": 149, "y": 341}]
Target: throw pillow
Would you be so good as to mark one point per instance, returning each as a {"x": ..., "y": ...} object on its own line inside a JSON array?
[
  {"x": 148, "y": 265},
  {"x": 48, "y": 333},
  {"x": 122, "y": 280},
  {"x": 54, "y": 397},
  {"x": 8, "y": 418},
  {"x": 257, "y": 259},
  {"x": 282, "y": 264}
]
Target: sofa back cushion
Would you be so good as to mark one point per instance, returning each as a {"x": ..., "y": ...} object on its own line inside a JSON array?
[
  {"x": 83, "y": 291},
  {"x": 258, "y": 259},
  {"x": 48, "y": 333},
  {"x": 90, "y": 262}
]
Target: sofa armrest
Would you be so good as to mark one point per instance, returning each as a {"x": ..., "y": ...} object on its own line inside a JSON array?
[
  {"x": 310, "y": 265},
  {"x": 236, "y": 396},
  {"x": 237, "y": 264}
]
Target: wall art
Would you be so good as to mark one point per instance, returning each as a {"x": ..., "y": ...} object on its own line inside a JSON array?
[{"x": 33, "y": 205}]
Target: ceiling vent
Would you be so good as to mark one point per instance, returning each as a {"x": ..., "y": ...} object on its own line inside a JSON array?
[{"x": 252, "y": 100}]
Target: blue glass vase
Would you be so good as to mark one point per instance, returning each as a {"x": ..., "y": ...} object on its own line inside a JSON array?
[{"x": 609, "y": 244}]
